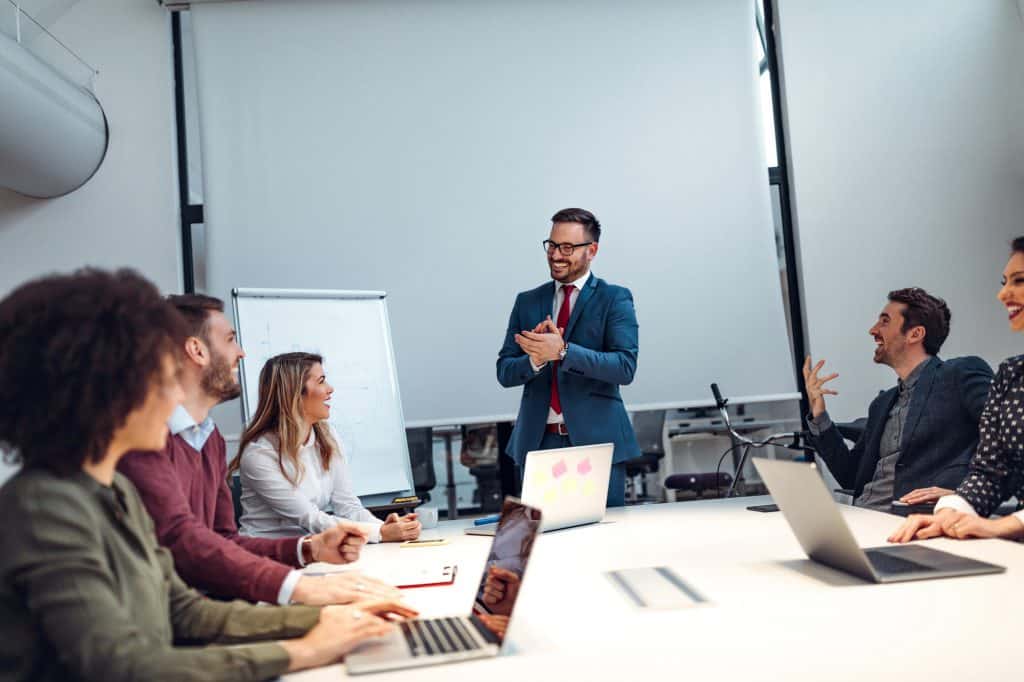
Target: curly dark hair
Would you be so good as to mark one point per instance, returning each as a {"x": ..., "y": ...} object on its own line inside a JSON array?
[
  {"x": 921, "y": 309},
  {"x": 1017, "y": 245},
  {"x": 78, "y": 353}
]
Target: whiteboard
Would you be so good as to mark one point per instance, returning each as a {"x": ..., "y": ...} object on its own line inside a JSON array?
[
  {"x": 350, "y": 330},
  {"x": 421, "y": 148}
]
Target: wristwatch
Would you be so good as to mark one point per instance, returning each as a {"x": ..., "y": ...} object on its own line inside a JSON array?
[
  {"x": 306, "y": 545},
  {"x": 561, "y": 353}
]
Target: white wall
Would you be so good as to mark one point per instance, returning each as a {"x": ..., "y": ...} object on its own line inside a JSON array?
[
  {"x": 906, "y": 129},
  {"x": 127, "y": 214}
]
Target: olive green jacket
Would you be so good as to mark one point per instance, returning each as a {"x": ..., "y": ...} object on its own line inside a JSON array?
[{"x": 87, "y": 594}]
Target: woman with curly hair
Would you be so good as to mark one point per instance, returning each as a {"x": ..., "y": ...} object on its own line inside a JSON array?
[{"x": 88, "y": 372}]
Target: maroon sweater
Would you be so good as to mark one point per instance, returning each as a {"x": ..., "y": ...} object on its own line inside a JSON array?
[{"x": 186, "y": 493}]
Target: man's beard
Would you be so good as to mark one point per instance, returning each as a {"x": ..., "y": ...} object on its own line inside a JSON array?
[{"x": 218, "y": 381}]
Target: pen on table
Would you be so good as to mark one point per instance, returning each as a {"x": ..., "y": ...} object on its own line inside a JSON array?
[{"x": 487, "y": 519}]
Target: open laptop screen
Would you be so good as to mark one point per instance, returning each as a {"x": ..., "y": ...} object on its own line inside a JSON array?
[{"x": 503, "y": 573}]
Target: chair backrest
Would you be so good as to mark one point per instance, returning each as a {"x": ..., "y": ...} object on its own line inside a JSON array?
[
  {"x": 648, "y": 427},
  {"x": 236, "y": 497},
  {"x": 421, "y": 459},
  {"x": 852, "y": 431}
]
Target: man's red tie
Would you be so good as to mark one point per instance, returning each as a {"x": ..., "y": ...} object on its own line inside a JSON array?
[{"x": 563, "y": 322}]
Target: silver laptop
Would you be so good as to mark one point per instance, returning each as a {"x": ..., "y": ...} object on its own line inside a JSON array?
[
  {"x": 814, "y": 516},
  {"x": 430, "y": 641},
  {"x": 569, "y": 485}
]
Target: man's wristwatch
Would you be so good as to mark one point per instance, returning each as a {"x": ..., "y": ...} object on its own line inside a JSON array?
[
  {"x": 561, "y": 353},
  {"x": 306, "y": 544}
]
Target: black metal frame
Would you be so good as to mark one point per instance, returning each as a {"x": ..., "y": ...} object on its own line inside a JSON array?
[
  {"x": 779, "y": 175},
  {"x": 191, "y": 214}
]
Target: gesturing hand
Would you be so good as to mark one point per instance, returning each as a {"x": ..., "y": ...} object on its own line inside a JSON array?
[{"x": 815, "y": 386}]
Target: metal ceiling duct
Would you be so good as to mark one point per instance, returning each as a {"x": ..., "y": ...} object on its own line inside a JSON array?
[{"x": 53, "y": 133}]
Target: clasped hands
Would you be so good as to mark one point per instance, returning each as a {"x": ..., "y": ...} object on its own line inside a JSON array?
[{"x": 543, "y": 343}]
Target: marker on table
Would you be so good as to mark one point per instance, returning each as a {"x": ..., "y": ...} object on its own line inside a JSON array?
[{"x": 487, "y": 519}]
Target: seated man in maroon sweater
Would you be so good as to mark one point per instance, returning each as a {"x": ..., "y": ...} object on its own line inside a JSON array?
[{"x": 185, "y": 490}]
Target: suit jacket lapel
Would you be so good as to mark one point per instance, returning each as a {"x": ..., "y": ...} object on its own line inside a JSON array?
[
  {"x": 922, "y": 391},
  {"x": 577, "y": 310},
  {"x": 544, "y": 303}
]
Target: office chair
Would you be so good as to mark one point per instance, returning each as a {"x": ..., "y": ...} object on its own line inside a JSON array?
[
  {"x": 648, "y": 427},
  {"x": 851, "y": 431},
  {"x": 236, "y": 498},
  {"x": 421, "y": 461}
]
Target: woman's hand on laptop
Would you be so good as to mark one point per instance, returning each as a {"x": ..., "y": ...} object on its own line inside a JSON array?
[{"x": 339, "y": 630}]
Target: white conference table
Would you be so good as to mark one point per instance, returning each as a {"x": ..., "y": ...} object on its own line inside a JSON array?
[{"x": 774, "y": 614}]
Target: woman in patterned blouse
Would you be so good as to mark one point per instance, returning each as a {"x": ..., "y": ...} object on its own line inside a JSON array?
[{"x": 996, "y": 472}]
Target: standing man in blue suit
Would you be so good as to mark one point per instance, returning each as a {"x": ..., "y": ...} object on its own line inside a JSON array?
[{"x": 570, "y": 344}]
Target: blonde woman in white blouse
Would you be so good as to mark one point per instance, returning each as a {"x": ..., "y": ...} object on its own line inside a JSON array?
[{"x": 293, "y": 468}]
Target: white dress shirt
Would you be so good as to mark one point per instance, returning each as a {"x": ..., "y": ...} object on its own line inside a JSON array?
[
  {"x": 556, "y": 304},
  {"x": 273, "y": 507},
  {"x": 957, "y": 503}
]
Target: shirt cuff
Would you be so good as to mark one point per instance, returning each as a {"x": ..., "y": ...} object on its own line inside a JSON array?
[
  {"x": 821, "y": 423},
  {"x": 284, "y": 595},
  {"x": 298, "y": 551},
  {"x": 537, "y": 368},
  {"x": 956, "y": 503}
]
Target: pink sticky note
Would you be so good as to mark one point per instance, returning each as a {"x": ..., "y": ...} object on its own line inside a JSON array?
[
  {"x": 584, "y": 467},
  {"x": 559, "y": 469}
]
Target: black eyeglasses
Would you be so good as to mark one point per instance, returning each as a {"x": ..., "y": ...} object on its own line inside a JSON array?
[{"x": 564, "y": 248}]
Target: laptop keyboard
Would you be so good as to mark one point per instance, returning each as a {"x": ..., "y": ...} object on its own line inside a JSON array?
[
  {"x": 433, "y": 636},
  {"x": 894, "y": 565}
]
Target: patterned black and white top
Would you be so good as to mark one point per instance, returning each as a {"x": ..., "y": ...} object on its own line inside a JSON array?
[{"x": 996, "y": 472}]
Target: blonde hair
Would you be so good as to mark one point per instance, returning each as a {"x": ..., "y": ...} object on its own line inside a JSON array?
[{"x": 279, "y": 414}]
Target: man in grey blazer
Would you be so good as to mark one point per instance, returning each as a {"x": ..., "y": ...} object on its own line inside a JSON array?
[{"x": 919, "y": 435}]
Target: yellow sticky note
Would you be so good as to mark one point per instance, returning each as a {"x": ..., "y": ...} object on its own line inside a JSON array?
[
  {"x": 539, "y": 478},
  {"x": 588, "y": 487},
  {"x": 570, "y": 486},
  {"x": 551, "y": 494}
]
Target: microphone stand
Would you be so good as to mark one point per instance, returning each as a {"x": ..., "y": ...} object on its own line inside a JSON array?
[{"x": 738, "y": 440}]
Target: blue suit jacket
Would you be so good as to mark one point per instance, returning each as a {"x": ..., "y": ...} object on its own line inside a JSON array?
[
  {"x": 939, "y": 437},
  {"x": 603, "y": 346}
]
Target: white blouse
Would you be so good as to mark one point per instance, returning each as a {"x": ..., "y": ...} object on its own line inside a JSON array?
[{"x": 273, "y": 507}]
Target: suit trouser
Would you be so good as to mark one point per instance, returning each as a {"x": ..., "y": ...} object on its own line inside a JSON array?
[{"x": 616, "y": 481}]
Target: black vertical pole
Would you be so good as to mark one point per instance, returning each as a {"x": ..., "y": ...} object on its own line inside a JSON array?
[
  {"x": 796, "y": 315},
  {"x": 184, "y": 209}
]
